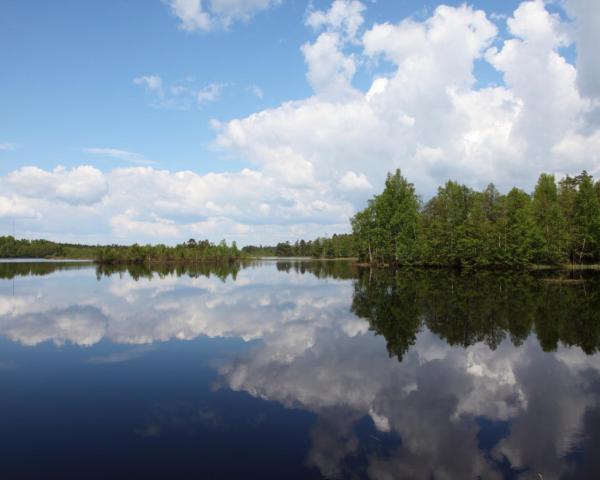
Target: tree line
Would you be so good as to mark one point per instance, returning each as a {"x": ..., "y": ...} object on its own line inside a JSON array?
[
  {"x": 11, "y": 247},
  {"x": 191, "y": 251},
  {"x": 337, "y": 246},
  {"x": 459, "y": 226}
]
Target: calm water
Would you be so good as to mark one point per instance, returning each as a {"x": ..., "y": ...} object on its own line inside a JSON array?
[{"x": 296, "y": 370}]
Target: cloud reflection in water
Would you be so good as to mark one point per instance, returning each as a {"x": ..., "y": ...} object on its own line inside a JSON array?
[{"x": 459, "y": 361}]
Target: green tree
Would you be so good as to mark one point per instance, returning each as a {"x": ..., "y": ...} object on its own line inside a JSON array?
[
  {"x": 586, "y": 217},
  {"x": 521, "y": 235},
  {"x": 567, "y": 192},
  {"x": 550, "y": 221},
  {"x": 363, "y": 229},
  {"x": 444, "y": 221},
  {"x": 397, "y": 215}
]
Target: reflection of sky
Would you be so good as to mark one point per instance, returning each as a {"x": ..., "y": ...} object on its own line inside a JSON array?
[
  {"x": 313, "y": 354},
  {"x": 75, "y": 307}
]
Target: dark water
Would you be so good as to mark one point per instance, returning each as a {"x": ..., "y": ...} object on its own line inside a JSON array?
[{"x": 296, "y": 370}]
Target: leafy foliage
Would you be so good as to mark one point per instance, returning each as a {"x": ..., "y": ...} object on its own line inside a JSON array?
[{"x": 461, "y": 227}]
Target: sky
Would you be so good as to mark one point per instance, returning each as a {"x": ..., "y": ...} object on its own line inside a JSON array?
[{"x": 268, "y": 120}]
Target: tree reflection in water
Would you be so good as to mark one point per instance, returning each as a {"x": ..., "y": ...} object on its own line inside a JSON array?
[
  {"x": 492, "y": 375},
  {"x": 467, "y": 308}
]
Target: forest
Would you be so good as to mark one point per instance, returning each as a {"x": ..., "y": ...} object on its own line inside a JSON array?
[
  {"x": 13, "y": 248},
  {"x": 191, "y": 251},
  {"x": 337, "y": 246},
  {"x": 558, "y": 223}
]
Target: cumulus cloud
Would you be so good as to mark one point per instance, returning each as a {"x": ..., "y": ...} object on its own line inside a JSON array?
[
  {"x": 330, "y": 69},
  {"x": 14, "y": 207},
  {"x": 429, "y": 116},
  {"x": 84, "y": 185},
  {"x": 203, "y": 15},
  {"x": 145, "y": 204},
  {"x": 311, "y": 163},
  {"x": 550, "y": 104},
  {"x": 129, "y": 225},
  {"x": 354, "y": 181},
  {"x": 587, "y": 36}
]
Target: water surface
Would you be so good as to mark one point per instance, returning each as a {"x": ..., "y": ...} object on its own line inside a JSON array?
[{"x": 297, "y": 370}]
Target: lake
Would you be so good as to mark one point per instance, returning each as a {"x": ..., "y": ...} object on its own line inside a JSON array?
[{"x": 297, "y": 370}]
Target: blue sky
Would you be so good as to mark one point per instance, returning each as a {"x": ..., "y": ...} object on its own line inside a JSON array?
[
  {"x": 75, "y": 91},
  {"x": 69, "y": 70}
]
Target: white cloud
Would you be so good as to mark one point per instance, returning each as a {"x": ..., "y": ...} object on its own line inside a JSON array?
[
  {"x": 315, "y": 161},
  {"x": 355, "y": 181},
  {"x": 129, "y": 225},
  {"x": 205, "y": 16},
  {"x": 438, "y": 52},
  {"x": 179, "y": 95},
  {"x": 344, "y": 17},
  {"x": 330, "y": 71},
  {"x": 152, "y": 83},
  {"x": 550, "y": 104},
  {"x": 147, "y": 205},
  {"x": 191, "y": 14},
  {"x": 119, "y": 154},
  {"x": 429, "y": 116},
  {"x": 209, "y": 94},
  {"x": 83, "y": 185},
  {"x": 587, "y": 36},
  {"x": 14, "y": 207}
]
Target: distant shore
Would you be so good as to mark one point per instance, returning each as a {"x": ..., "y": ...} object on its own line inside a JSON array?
[{"x": 354, "y": 260}]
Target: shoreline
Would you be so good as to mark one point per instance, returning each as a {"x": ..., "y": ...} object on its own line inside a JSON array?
[{"x": 353, "y": 260}]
